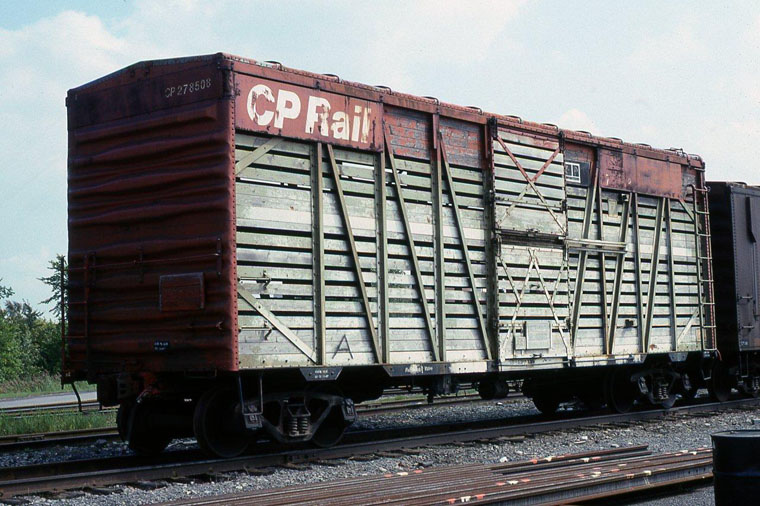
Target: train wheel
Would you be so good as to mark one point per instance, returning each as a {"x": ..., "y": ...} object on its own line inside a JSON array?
[
  {"x": 218, "y": 423},
  {"x": 620, "y": 391},
  {"x": 332, "y": 424},
  {"x": 719, "y": 385},
  {"x": 547, "y": 404},
  {"x": 331, "y": 430},
  {"x": 143, "y": 438}
]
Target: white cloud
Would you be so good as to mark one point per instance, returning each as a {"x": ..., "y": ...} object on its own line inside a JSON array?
[{"x": 575, "y": 119}]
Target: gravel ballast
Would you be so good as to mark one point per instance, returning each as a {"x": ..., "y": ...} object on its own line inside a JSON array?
[{"x": 676, "y": 432}]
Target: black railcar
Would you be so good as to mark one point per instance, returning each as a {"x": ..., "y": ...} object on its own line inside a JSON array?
[{"x": 735, "y": 225}]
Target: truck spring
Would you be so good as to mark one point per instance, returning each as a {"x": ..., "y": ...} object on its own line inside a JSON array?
[
  {"x": 304, "y": 424},
  {"x": 293, "y": 426},
  {"x": 662, "y": 390}
]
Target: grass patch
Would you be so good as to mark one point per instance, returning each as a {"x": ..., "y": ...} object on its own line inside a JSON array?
[
  {"x": 39, "y": 385},
  {"x": 57, "y": 422}
]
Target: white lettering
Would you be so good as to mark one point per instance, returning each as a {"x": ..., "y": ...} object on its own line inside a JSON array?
[
  {"x": 355, "y": 126},
  {"x": 317, "y": 111},
  {"x": 340, "y": 125},
  {"x": 268, "y": 105},
  {"x": 288, "y": 106},
  {"x": 257, "y": 91}
]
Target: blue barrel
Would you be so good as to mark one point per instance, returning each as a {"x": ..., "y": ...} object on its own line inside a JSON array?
[{"x": 736, "y": 467}]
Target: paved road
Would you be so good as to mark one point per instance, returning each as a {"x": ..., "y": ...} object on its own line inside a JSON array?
[{"x": 37, "y": 400}]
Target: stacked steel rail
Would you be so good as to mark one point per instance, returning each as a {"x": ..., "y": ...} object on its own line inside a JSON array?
[{"x": 550, "y": 480}]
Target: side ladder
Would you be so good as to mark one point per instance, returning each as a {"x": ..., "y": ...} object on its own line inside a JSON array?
[{"x": 704, "y": 265}]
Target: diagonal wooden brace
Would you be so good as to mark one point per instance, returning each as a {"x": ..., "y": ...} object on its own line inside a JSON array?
[
  {"x": 276, "y": 323},
  {"x": 252, "y": 157}
]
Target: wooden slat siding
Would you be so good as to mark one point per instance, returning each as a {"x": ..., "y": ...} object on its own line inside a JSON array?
[
  {"x": 603, "y": 275},
  {"x": 275, "y": 240},
  {"x": 349, "y": 237},
  {"x": 517, "y": 205},
  {"x": 411, "y": 258},
  {"x": 474, "y": 287},
  {"x": 533, "y": 305},
  {"x": 589, "y": 333},
  {"x": 462, "y": 153},
  {"x": 289, "y": 296},
  {"x": 416, "y": 168},
  {"x": 522, "y": 284},
  {"x": 619, "y": 274},
  {"x": 276, "y": 237}
]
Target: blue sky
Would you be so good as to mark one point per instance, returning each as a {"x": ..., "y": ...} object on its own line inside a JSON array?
[{"x": 670, "y": 74}]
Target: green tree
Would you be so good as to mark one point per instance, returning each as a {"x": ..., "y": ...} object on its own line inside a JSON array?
[
  {"x": 29, "y": 343},
  {"x": 54, "y": 282},
  {"x": 11, "y": 356},
  {"x": 5, "y": 291}
]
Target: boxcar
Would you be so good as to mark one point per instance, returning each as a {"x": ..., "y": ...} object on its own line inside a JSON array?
[
  {"x": 735, "y": 225},
  {"x": 254, "y": 248}
]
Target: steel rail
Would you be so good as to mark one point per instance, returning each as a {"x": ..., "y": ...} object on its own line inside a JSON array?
[{"x": 110, "y": 471}]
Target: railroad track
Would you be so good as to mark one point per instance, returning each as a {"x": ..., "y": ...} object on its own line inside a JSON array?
[
  {"x": 558, "y": 479},
  {"x": 179, "y": 464},
  {"x": 85, "y": 436}
]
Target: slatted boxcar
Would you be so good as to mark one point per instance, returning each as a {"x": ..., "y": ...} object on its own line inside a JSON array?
[{"x": 271, "y": 244}]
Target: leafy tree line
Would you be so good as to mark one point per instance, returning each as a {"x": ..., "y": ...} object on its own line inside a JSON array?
[{"x": 30, "y": 344}]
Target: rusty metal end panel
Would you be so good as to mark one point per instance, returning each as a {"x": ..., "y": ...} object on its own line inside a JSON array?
[
  {"x": 151, "y": 221},
  {"x": 640, "y": 174}
]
